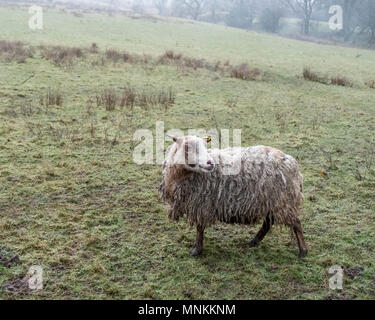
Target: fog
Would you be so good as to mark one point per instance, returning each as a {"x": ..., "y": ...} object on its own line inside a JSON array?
[{"x": 350, "y": 22}]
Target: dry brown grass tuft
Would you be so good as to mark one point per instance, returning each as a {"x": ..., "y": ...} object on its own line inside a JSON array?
[
  {"x": 334, "y": 80},
  {"x": 170, "y": 54},
  {"x": 196, "y": 63},
  {"x": 341, "y": 81},
  {"x": 310, "y": 75},
  {"x": 15, "y": 51},
  {"x": 313, "y": 76},
  {"x": 116, "y": 56},
  {"x": 130, "y": 97},
  {"x": 150, "y": 97},
  {"x": 370, "y": 84},
  {"x": 167, "y": 97},
  {"x": 107, "y": 98},
  {"x": 61, "y": 55},
  {"x": 244, "y": 72},
  {"x": 94, "y": 48},
  {"x": 172, "y": 58},
  {"x": 53, "y": 97}
]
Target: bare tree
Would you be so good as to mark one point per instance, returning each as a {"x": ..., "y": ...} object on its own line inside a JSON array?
[
  {"x": 160, "y": 5},
  {"x": 213, "y": 6},
  {"x": 350, "y": 10},
  {"x": 241, "y": 13},
  {"x": 367, "y": 19},
  {"x": 194, "y": 8},
  {"x": 303, "y": 9}
]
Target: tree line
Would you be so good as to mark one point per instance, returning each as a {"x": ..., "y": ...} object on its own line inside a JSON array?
[{"x": 358, "y": 16}]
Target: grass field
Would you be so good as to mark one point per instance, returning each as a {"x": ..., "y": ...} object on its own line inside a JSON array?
[{"x": 73, "y": 201}]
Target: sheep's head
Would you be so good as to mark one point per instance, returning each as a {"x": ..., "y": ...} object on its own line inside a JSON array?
[{"x": 191, "y": 152}]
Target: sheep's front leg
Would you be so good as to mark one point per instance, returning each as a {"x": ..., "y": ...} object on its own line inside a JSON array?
[
  {"x": 198, "y": 247},
  {"x": 266, "y": 226}
]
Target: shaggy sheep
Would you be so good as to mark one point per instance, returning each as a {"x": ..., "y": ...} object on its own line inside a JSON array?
[{"x": 234, "y": 185}]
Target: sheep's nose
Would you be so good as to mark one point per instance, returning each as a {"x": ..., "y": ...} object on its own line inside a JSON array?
[{"x": 210, "y": 165}]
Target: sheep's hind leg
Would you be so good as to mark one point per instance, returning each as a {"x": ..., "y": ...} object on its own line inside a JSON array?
[
  {"x": 297, "y": 228},
  {"x": 198, "y": 247},
  {"x": 267, "y": 223}
]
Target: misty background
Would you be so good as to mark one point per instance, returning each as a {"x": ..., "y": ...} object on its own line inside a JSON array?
[{"x": 300, "y": 19}]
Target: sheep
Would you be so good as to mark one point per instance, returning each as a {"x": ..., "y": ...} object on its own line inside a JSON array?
[{"x": 265, "y": 185}]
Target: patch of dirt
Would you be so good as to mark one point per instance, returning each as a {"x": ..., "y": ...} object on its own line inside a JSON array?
[
  {"x": 353, "y": 272},
  {"x": 18, "y": 286},
  {"x": 339, "y": 297},
  {"x": 8, "y": 258}
]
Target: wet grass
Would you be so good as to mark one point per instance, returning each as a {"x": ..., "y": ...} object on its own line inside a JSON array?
[{"x": 73, "y": 201}]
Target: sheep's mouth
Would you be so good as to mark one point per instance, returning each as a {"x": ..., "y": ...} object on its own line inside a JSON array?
[
  {"x": 207, "y": 168},
  {"x": 201, "y": 168}
]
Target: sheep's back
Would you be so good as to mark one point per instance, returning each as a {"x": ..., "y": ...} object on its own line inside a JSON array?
[{"x": 246, "y": 185}]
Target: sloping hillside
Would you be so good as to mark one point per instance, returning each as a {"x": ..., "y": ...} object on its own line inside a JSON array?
[{"x": 73, "y": 201}]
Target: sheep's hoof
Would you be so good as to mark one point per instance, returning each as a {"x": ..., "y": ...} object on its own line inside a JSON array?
[
  {"x": 302, "y": 253},
  {"x": 195, "y": 252},
  {"x": 253, "y": 243}
]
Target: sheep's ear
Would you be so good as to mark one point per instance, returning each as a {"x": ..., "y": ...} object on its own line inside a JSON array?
[
  {"x": 174, "y": 138},
  {"x": 207, "y": 139}
]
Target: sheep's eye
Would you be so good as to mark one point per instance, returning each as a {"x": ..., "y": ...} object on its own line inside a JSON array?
[{"x": 192, "y": 165}]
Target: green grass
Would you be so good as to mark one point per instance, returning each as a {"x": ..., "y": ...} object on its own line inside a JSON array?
[{"x": 73, "y": 201}]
